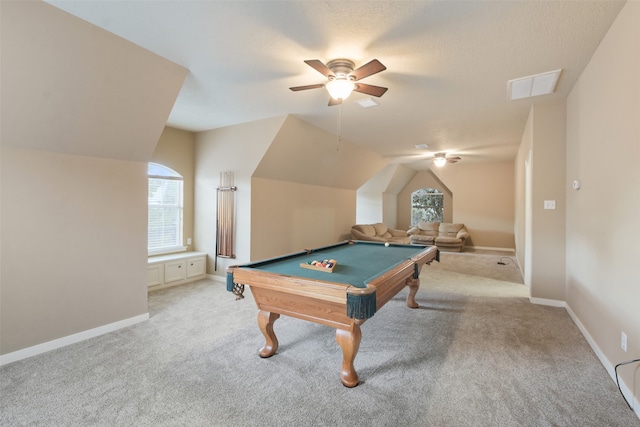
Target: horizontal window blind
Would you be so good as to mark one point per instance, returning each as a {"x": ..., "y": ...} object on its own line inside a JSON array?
[{"x": 165, "y": 212}]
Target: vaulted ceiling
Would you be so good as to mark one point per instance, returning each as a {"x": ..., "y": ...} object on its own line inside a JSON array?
[{"x": 448, "y": 64}]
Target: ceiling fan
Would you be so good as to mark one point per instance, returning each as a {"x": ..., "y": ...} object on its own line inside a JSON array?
[
  {"x": 441, "y": 159},
  {"x": 343, "y": 76}
]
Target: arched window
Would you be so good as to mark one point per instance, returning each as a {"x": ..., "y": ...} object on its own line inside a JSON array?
[
  {"x": 165, "y": 210},
  {"x": 427, "y": 204}
]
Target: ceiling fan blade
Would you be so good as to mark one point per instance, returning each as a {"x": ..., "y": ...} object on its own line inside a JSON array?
[
  {"x": 370, "y": 89},
  {"x": 319, "y": 67},
  {"x": 453, "y": 159},
  {"x": 297, "y": 88},
  {"x": 334, "y": 101},
  {"x": 368, "y": 69}
]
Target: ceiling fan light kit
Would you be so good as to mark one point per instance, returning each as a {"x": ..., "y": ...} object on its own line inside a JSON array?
[
  {"x": 340, "y": 88},
  {"x": 343, "y": 76},
  {"x": 439, "y": 161}
]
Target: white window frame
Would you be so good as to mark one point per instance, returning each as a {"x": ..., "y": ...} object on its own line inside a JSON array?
[
  {"x": 162, "y": 172},
  {"x": 435, "y": 194}
]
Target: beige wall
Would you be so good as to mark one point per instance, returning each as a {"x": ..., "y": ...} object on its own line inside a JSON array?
[
  {"x": 548, "y": 183},
  {"x": 370, "y": 206},
  {"x": 483, "y": 201},
  {"x": 289, "y": 217},
  {"x": 71, "y": 87},
  {"x": 308, "y": 155},
  {"x": 377, "y": 199},
  {"x": 176, "y": 150},
  {"x": 479, "y": 195},
  {"x": 281, "y": 214},
  {"x": 238, "y": 149},
  {"x": 540, "y": 175},
  {"x": 371, "y": 200},
  {"x": 303, "y": 191},
  {"x": 603, "y": 230},
  {"x": 77, "y": 131},
  {"x": 74, "y": 253},
  {"x": 522, "y": 208},
  {"x": 423, "y": 179}
]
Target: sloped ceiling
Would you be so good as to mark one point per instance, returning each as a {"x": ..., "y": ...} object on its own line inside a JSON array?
[
  {"x": 448, "y": 63},
  {"x": 309, "y": 155},
  {"x": 71, "y": 87}
]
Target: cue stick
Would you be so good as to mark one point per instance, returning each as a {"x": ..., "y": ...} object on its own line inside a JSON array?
[
  {"x": 224, "y": 224},
  {"x": 228, "y": 218},
  {"x": 225, "y": 232},
  {"x": 231, "y": 226},
  {"x": 230, "y": 212},
  {"x": 215, "y": 264},
  {"x": 224, "y": 216},
  {"x": 226, "y": 209}
]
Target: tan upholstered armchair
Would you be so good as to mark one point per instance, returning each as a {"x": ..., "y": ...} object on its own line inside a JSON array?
[
  {"x": 379, "y": 232},
  {"x": 446, "y": 236}
]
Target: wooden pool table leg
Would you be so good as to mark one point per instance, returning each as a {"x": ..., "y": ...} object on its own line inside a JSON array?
[
  {"x": 265, "y": 322},
  {"x": 414, "y": 285},
  {"x": 349, "y": 341}
]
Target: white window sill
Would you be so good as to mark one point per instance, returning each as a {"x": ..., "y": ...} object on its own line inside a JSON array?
[{"x": 165, "y": 251}]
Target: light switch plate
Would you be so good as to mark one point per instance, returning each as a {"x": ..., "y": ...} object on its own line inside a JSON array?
[{"x": 549, "y": 204}]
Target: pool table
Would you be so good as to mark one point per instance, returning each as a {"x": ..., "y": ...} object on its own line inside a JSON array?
[{"x": 365, "y": 277}]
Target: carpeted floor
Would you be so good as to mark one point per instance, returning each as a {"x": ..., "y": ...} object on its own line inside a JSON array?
[
  {"x": 498, "y": 266},
  {"x": 469, "y": 268},
  {"x": 476, "y": 353}
]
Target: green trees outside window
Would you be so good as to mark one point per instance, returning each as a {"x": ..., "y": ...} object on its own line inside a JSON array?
[{"x": 427, "y": 204}]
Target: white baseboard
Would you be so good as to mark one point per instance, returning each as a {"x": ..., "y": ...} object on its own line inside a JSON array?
[
  {"x": 492, "y": 248},
  {"x": 549, "y": 302},
  {"x": 70, "y": 339},
  {"x": 628, "y": 393},
  {"x": 221, "y": 279}
]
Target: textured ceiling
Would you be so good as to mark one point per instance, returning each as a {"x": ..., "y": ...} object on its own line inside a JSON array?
[{"x": 448, "y": 63}]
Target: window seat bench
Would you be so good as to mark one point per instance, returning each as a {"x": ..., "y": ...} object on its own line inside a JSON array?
[{"x": 176, "y": 269}]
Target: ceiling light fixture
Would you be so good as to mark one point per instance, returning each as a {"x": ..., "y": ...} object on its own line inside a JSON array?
[
  {"x": 340, "y": 88},
  {"x": 439, "y": 160},
  {"x": 540, "y": 84}
]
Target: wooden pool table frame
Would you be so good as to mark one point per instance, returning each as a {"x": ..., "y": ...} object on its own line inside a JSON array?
[{"x": 325, "y": 302}]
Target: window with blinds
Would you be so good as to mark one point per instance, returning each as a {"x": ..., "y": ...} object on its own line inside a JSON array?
[{"x": 165, "y": 210}]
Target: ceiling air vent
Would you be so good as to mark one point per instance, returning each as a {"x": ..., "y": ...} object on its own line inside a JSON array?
[{"x": 526, "y": 87}]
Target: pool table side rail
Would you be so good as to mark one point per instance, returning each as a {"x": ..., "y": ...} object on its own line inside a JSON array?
[
  {"x": 391, "y": 282},
  {"x": 321, "y": 311},
  {"x": 328, "y": 291}
]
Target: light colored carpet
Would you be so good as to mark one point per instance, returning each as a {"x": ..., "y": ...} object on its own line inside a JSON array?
[
  {"x": 465, "y": 273},
  {"x": 485, "y": 264},
  {"x": 466, "y": 357}
]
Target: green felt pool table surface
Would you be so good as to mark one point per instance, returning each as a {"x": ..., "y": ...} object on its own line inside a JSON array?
[{"x": 357, "y": 262}]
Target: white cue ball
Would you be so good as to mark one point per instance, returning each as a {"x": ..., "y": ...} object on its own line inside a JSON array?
[{"x": 386, "y": 244}]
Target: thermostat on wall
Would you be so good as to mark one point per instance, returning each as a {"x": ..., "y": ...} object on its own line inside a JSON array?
[{"x": 576, "y": 185}]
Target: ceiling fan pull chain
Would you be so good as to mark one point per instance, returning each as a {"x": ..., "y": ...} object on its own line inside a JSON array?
[{"x": 339, "y": 127}]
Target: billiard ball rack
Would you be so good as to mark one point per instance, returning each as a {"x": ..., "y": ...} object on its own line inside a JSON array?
[{"x": 326, "y": 266}]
